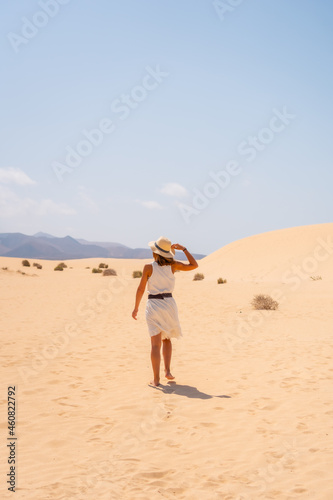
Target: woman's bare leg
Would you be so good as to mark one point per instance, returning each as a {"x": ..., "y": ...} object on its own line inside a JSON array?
[
  {"x": 167, "y": 352},
  {"x": 156, "y": 357}
]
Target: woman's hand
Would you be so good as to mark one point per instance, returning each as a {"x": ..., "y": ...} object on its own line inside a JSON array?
[
  {"x": 134, "y": 313},
  {"x": 176, "y": 246}
]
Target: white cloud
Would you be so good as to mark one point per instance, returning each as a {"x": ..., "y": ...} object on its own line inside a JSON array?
[
  {"x": 12, "y": 205},
  {"x": 85, "y": 199},
  {"x": 174, "y": 189},
  {"x": 151, "y": 205},
  {"x": 11, "y": 175},
  {"x": 46, "y": 207}
]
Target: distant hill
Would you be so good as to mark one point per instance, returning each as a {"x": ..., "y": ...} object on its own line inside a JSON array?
[
  {"x": 46, "y": 235},
  {"x": 48, "y": 247}
]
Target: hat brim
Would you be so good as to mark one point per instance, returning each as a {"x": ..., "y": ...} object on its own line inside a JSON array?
[{"x": 168, "y": 255}]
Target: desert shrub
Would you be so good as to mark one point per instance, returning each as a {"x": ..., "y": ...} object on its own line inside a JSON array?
[
  {"x": 264, "y": 302},
  {"x": 39, "y": 266},
  {"x": 25, "y": 263},
  {"x": 316, "y": 278},
  {"x": 103, "y": 266},
  {"x": 96, "y": 270},
  {"x": 109, "y": 272},
  {"x": 221, "y": 281},
  {"x": 137, "y": 274},
  {"x": 4, "y": 268},
  {"x": 63, "y": 265},
  {"x": 198, "y": 277},
  {"x": 58, "y": 268}
]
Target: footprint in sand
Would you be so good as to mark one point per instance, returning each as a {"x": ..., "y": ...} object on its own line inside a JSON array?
[
  {"x": 299, "y": 490},
  {"x": 62, "y": 403},
  {"x": 205, "y": 424},
  {"x": 154, "y": 474}
]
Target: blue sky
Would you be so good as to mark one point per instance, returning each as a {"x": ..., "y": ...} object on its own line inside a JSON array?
[{"x": 181, "y": 92}]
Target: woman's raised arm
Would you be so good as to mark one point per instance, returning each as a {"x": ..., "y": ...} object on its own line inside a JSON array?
[{"x": 180, "y": 266}]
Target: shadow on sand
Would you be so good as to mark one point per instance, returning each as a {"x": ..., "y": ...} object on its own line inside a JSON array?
[{"x": 184, "y": 390}]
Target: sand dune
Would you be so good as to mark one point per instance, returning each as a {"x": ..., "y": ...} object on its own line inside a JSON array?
[
  {"x": 250, "y": 415},
  {"x": 268, "y": 256}
]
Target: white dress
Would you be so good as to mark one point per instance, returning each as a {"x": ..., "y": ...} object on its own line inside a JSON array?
[{"x": 162, "y": 314}]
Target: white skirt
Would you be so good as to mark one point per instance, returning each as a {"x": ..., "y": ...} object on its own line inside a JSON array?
[{"x": 162, "y": 316}]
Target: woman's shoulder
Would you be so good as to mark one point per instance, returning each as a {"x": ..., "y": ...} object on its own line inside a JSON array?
[
  {"x": 174, "y": 265},
  {"x": 148, "y": 268}
]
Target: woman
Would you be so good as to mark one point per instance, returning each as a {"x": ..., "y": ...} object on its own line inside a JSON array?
[{"x": 161, "y": 309}]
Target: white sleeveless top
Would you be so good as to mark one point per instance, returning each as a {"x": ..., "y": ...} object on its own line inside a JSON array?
[{"x": 162, "y": 279}]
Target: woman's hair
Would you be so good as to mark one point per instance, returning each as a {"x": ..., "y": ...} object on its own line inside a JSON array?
[{"x": 163, "y": 261}]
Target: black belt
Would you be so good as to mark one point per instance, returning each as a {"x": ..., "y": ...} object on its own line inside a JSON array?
[{"x": 159, "y": 295}]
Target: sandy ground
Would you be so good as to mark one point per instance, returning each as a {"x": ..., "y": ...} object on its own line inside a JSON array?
[{"x": 249, "y": 417}]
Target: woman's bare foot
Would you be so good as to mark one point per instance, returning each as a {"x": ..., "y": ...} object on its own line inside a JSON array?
[
  {"x": 155, "y": 383},
  {"x": 169, "y": 376}
]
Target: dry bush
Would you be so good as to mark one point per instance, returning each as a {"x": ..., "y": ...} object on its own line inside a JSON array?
[
  {"x": 137, "y": 274},
  {"x": 4, "y": 268},
  {"x": 221, "y": 281},
  {"x": 264, "y": 302},
  {"x": 25, "y": 263},
  {"x": 198, "y": 277},
  {"x": 58, "y": 268},
  {"x": 95, "y": 270},
  {"x": 63, "y": 265},
  {"x": 39, "y": 266},
  {"x": 109, "y": 272},
  {"x": 103, "y": 266}
]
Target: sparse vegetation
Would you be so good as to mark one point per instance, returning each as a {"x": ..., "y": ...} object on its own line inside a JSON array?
[
  {"x": 39, "y": 266},
  {"x": 137, "y": 274},
  {"x": 4, "y": 268},
  {"x": 103, "y": 266},
  {"x": 25, "y": 263},
  {"x": 221, "y": 281},
  {"x": 109, "y": 272},
  {"x": 96, "y": 270},
  {"x": 60, "y": 267},
  {"x": 198, "y": 277},
  {"x": 316, "y": 278},
  {"x": 264, "y": 302}
]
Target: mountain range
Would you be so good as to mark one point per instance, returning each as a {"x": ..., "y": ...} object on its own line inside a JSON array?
[{"x": 48, "y": 247}]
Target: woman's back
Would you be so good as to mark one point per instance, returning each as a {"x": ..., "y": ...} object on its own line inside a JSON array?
[{"x": 162, "y": 279}]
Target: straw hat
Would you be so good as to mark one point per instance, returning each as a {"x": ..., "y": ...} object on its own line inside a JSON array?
[{"x": 162, "y": 246}]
